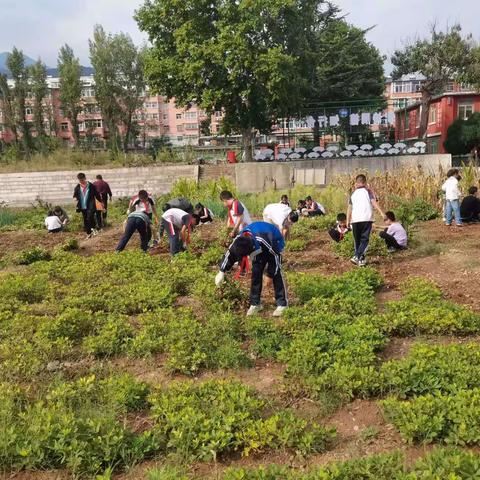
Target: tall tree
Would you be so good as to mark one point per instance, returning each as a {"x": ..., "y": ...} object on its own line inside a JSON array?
[
  {"x": 245, "y": 58},
  {"x": 8, "y": 107},
  {"x": 16, "y": 65},
  {"x": 39, "y": 90},
  {"x": 443, "y": 57},
  {"x": 343, "y": 66},
  {"x": 70, "y": 72},
  {"x": 119, "y": 83}
]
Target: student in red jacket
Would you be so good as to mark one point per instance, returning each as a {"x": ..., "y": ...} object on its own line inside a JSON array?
[{"x": 103, "y": 189}]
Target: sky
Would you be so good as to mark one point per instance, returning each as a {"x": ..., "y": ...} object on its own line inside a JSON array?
[{"x": 40, "y": 27}]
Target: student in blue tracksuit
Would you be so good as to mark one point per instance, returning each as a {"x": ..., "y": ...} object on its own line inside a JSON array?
[{"x": 264, "y": 243}]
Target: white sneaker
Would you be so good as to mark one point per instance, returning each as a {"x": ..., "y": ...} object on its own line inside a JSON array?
[
  {"x": 279, "y": 311},
  {"x": 253, "y": 310},
  {"x": 362, "y": 263},
  {"x": 94, "y": 232},
  {"x": 354, "y": 260}
]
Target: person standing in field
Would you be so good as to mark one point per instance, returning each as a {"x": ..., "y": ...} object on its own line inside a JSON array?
[
  {"x": 238, "y": 216},
  {"x": 280, "y": 215},
  {"x": 103, "y": 189},
  {"x": 178, "y": 224},
  {"x": 264, "y": 243},
  {"x": 452, "y": 198},
  {"x": 86, "y": 194},
  {"x": 360, "y": 218}
]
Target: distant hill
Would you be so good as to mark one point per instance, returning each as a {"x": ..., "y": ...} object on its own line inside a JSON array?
[
  {"x": 3, "y": 62},
  {"x": 29, "y": 61}
]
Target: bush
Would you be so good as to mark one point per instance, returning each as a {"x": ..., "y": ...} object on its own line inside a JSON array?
[
  {"x": 203, "y": 421},
  {"x": 346, "y": 249},
  {"x": 423, "y": 311},
  {"x": 453, "y": 419},
  {"x": 73, "y": 426},
  {"x": 296, "y": 245},
  {"x": 35, "y": 254}
]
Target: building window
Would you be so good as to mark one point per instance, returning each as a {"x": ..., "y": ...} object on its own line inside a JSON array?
[
  {"x": 179, "y": 116},
  {"x": 400, "y": 103},
  {"x": 28, "y": 111},
  {"x": 88, "y": 92},
  {"x": 179, "y": 128},
  {"x": 465, "y": 87},
  {"x": 407, "y": 121},
  {"x": 432, "y": 114},
  {"x": 150, "y": 105},
  {"x": 179, "y": 139},
  {"x": 450, "y": 87},
  {"x": 165, "y": 116},
  {"x": 92, "y": 124},
  {"x": 191, "y": 126},
  {"x": 434, "y": 146},
  {"x": 155, "y": 116},
  {"x": 218, "y": 114},
  {"x": 190, "y": 115},
  {"x": 465, "y": 110},
  {"x": 166, "y": 128},
  {"x": 64, "y": 127}
]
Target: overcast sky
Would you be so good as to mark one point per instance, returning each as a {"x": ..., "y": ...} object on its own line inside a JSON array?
[{"x": 40, "y": 27}]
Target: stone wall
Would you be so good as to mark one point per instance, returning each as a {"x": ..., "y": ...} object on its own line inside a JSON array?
[{"x": 22, "y": 189}]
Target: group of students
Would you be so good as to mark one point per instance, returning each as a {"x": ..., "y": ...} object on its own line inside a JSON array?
[
  {"x": 259, "y": 243},
  {"x": 468, "y": 211},
  {"x": 91, "y": 201},
  {"x": 359, "y": 220}
]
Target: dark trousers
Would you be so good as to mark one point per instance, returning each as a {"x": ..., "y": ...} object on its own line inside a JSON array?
[
  {"x": 315, "y": 213},
  {"x": 56, "y": 230},
  {"x": 335, "y": 235},
  {"x": 88, "y": 220},
  {"x": 135, "y": 225},
  {"x": 173, "y": 236},
  {"x": 390, "y": 241},
  {"x": 274, "y": 270},
  {"x": 99, "y": 219},
  {"x": 361, "y": 236}
]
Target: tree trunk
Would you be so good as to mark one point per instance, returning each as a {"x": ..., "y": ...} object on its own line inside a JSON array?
[
  {"x": 316, "y": 131},
  {"x": 247, "y": 145},
  {"x": 424, "y": 114}
]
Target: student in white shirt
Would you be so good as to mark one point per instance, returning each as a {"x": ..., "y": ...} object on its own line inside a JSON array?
[
  {"x": 53, "y": 223},
  {"x": 178, "y": 224},
  {"x": 360, "y": 218},
  {"x": 452, "y": 198},
  {"x": 238, "y": 216},
  {"x": 281, "y": 216}
]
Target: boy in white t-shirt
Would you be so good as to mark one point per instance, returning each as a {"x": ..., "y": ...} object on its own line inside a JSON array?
[
  {"x": 238, "y": 216},
  {"x": 452, "y": 198},
  {"x": 53, "y": 223},
  {"x": 281, "y": 216},
  {"x": 178, "y": 224},
  {"x": 360, "y": 218}
]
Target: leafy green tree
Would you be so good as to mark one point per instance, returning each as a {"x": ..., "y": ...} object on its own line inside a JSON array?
[
  {"x": 16, "y": 65},
  {"x": 70, "y": 72},
  {"x": 119, "y": 83},
  {"x": 39, "y": 90},
  {"x": 8, "y": 107},
  {"x": 463, "y": 135},
  {"x": 443, "y": 57},
  {"x": 344, "y": 66},
  {"x": 246, "y": 58}
]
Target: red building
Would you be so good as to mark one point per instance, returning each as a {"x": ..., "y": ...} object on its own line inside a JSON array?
[{"x": 457, "y": 102}]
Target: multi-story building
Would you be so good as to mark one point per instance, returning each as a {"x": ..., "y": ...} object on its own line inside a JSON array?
[
  {"x": 459, "y": 101},
  {"x": 404, "y": 91}
]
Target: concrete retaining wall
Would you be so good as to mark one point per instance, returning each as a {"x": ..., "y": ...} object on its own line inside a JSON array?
[{"x": 22, "y": 189}]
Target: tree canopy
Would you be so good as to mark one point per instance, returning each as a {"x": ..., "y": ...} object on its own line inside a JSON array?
[
  {"x": 463, "y": 135},
  {"x": 443, "y": 57},
  {"x": 247, "y": 58}
]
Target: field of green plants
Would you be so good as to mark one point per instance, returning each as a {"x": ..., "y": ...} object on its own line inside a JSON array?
[{"x": 70, "y": 323}]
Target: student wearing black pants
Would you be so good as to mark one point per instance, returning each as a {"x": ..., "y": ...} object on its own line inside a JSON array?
[
  {"x": 390, "y": 241},
  {"x": 264, "y": 243},
  {"x": 136, "y": 222},
  {"x": 361, "y": 237}
]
